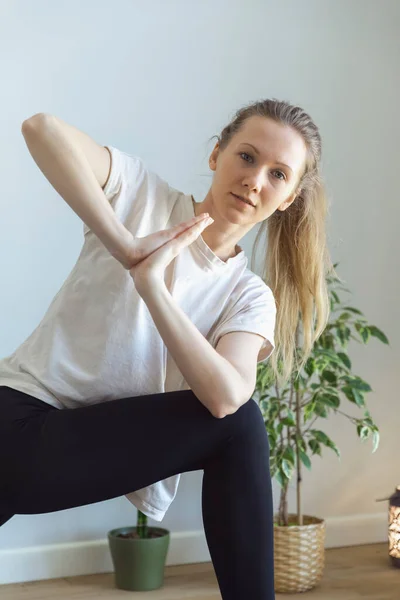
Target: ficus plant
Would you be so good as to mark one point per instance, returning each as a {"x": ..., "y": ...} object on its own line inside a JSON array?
[{"x": 293, "y": 413}]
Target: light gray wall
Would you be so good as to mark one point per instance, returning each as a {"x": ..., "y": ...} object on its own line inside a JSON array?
[{"x": 158, "y": 78}]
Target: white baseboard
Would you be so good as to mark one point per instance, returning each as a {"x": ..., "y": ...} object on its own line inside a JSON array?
[
  {"x": 356, "y": 530},
  {"x": 84, "y": 558}
]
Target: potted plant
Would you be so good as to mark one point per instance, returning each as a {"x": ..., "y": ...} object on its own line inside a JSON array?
[
  {"x": 138, "y": 555},
  {"x": 290, "y": 414}
]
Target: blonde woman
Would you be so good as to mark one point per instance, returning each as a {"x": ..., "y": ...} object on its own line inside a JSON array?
[{"x": 145, "y": 363}]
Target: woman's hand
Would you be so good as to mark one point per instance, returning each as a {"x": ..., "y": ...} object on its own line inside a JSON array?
[
  {"x": 141, "y": 248},
  {"x": 149, "y": 271}
]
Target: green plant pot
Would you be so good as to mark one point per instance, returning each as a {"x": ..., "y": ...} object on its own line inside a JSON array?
[{"x": 139, "y": 564}]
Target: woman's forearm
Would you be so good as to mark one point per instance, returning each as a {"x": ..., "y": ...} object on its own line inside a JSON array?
[
  {"x": 65, "y": 166},
  {"x": 212, "y": 378}
]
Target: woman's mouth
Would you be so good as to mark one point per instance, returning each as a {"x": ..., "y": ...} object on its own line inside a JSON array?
[{"x": 242, "y": 201}]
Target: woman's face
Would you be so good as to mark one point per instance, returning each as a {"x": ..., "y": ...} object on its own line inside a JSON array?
[{"x": 263, "y": 162}]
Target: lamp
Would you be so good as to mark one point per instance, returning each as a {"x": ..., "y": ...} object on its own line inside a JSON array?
[{"x": 394, "y": 527}]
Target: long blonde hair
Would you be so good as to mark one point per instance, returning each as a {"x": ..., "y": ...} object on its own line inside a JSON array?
[{"x": 297, "y": 259}]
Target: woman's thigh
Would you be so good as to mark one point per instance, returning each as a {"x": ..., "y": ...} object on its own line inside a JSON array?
[{"x": 59, "y": 459}]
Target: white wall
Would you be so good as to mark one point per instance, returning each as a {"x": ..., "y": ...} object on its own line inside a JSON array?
[{"x": 158, "y": 78}]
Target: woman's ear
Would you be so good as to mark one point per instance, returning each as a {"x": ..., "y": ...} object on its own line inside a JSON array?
[
  {"x": 212, "y": 161},
  {"x": 289, "y": 201}
]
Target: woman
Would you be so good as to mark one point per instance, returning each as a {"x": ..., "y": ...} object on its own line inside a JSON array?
[{"x": 154, "y": 338}]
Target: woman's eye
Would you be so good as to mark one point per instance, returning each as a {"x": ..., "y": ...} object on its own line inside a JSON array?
[{"x": 280, "y": 178}]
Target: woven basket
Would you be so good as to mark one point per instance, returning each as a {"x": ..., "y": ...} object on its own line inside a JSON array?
[{"x": 299, "y": 554}]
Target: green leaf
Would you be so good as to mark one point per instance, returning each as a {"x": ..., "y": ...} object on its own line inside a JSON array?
[
  {"x": 348, "y": 392},
  {"x": 281, "y": 479},
  {"x": 315, "y": 447},
  {"x": 287, "y": 468},
  {"x": 272, "y": 438},
  {"x": 310, "y": 366},
  {"x": 273, "y": 411},
  {"x": 304, "y": 459},
  {"x": 378, "y": 334},
  {"x": 367, "y": 418},
  {"x": 320, "y": 410},
  {"x": 375, "y": 440},
  {"x": 354, "y": 395},
  {"x": 320, "y": 436},
  {"x": 363, "y": 432},
  {"x": 331, "y": 355},
  {"x": 330, "y": 400},
  {"x": 325, "y": 440},
  {"x": 333, "y": 447},
  {"x": 309, "y": 411},
  {"x": 364, "y": 333},
  {"x": 301, "y": 443},
  {"x": 358, "y": 397},
  {"x": 365, "y": 429},
  {"x": 345, "y": 359},
  {"x": 353, "y": 310},
  {"x": 357, "y": 383},
  {"x": 329, "y": 376},
  {"x": 343, "y": 334},
  {"x": 345, "y": 316},
  {"x": 289, "y": 455}
]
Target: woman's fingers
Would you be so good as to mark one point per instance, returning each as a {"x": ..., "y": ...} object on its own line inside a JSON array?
[
  {"x": 194, "y": 221},
  {"x": 196, "y": 229},
  {"x": 177, "y": 230},
  {"x": 147, "y": 245}
]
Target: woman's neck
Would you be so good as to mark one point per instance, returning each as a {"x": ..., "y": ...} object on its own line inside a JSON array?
[{"x": 236, "y": 250}]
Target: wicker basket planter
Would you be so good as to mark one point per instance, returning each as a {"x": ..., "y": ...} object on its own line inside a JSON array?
[{"x": 299, "y": 555}]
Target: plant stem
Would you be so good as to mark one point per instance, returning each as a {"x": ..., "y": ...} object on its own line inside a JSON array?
[
  {"x": 346, "y": 415},
  {"x": 298, "y": 462},
  {"x": 283, "y": 509},
  {"x": 142, "y": 528},
  {"x": 283, "y": 518},
  {"x": 310, "y": 425}
]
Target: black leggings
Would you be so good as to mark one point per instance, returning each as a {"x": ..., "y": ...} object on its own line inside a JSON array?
[{"x": 53, "y": 459}]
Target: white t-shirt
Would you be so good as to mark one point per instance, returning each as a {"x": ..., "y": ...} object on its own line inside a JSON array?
[{"x": 98, "y": 341}]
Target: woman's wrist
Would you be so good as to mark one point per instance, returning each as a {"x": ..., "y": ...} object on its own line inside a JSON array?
[{"x": 125, "y": 251}]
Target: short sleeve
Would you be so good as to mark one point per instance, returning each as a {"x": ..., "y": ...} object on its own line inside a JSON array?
[
  {"x": 254, "y": 311},
  {"x": 126, "y": 176}
]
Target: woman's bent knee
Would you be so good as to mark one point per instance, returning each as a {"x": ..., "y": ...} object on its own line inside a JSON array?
[{"x": 249, "y": 421}]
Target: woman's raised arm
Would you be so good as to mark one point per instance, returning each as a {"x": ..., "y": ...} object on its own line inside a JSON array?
[{"x": 77, "y": 167}]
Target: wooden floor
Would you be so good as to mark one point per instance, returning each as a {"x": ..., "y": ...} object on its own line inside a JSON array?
[{"x": 350, "y": 574}]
